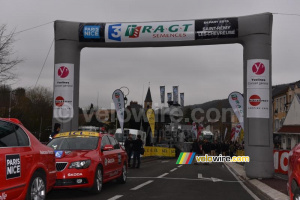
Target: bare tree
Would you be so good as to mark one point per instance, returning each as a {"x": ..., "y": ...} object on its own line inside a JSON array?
[{"x": 7, "y": 63}]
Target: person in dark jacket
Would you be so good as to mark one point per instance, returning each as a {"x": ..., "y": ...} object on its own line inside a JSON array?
[
  {"x": 55, "y": 131},
  {"x": 128, "y": 148},
  {"x": 137, "y": 148}
]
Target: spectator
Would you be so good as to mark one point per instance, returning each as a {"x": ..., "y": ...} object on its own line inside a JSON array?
[
  {"x": 55, "y": 131},
  {"x": 128, "y": 148},
  {"x": 137, "y": 148}
]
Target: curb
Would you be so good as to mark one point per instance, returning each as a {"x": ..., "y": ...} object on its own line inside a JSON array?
[{"x": 262, "y": 190}]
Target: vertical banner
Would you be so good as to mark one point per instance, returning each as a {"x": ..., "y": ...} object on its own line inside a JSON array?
[
  {"x": 182, "y": 99},
  {"x": 225, "y": 133},
  {"x": 169, "y": 96},
  {"x": 236, "y": 101},
  {"x": 118, "y": 98},
  {"x": 194, "y": 129},
  {"x": 175, "y": 94},
  {"x": 162, "y": 94},
  {"x": 63, "y": 91},
  {"x": 151, "y": 120},
  {"x": 238, "y": 129}
]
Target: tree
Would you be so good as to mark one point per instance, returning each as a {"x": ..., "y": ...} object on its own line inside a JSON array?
[{"x": 7, "y": 63}]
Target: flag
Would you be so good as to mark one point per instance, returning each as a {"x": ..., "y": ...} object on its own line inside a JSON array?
[
  {"x": 118, "y": 98},
  {"x": 175, "y": 94},
  {"x": 182, "y": 99},
  {"x": 225, "y": 133},
  {"x": 236, "y": 101},
  {"x": 162, "y": 94},
  {"x": 151, "y": 119},
  {"x": 169, "y": 96}
]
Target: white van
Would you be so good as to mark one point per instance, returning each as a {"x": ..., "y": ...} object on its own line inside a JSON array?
[{"x": 134, "y": 132}]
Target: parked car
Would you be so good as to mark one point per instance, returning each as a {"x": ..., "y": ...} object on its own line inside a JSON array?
[
  {"x": 293, "y": 184},
  {"x": 27, "y": 166},
  {"x": 87, "y": 160}
]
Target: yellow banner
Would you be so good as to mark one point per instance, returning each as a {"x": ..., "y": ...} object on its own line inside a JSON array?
[
  {"x": 77, "y": 133},
  {"x": 159, "y": 151},
  {"x": 151, "y": 120}
]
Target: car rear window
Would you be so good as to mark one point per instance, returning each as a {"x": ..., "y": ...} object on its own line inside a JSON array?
[
  {"x": 12, "y": 135},
  {"x": 74, "y": 143}
]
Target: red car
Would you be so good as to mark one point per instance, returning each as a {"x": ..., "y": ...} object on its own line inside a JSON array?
[
  {"x": 27, "y": 167},
  {"x": 87, "y": 160},
  {"x": 293, "y": 184}
]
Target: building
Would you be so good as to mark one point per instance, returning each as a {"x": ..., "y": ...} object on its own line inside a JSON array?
[
  {"x": 148, "y": 100},
  {"x": 290, "y": 131}
]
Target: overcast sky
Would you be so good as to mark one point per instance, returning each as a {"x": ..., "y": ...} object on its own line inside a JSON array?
[{"x": 203, "y": 73}]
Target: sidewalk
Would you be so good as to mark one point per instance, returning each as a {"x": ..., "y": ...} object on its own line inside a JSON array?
[{"x": 274, "y": 188}]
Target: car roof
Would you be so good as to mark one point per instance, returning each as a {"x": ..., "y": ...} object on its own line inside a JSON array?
[
  {"x": 13, "y": 120},
  {"x": 78, "y": 134}
]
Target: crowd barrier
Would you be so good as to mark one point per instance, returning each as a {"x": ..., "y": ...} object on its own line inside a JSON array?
[{"x": 159, "y": 151}]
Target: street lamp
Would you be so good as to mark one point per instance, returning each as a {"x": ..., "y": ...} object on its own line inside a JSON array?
[{"x": 125, "y": 98}]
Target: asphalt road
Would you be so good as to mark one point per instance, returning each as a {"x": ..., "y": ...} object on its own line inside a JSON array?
[{"x": 163, "y": 179}]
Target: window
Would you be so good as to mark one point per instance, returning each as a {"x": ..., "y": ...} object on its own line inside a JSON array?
[
  {"x": 280, "y": 104},
  {"x": 104, "y": 141},
  {"x": 8, "y": 136},
  {"x": 22, "y": 137},
  {"x": 114, "y": 142},
  {"x": 277, "y": 104}
]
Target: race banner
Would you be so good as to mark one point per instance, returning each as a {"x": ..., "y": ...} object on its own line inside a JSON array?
[
  {"x": 118, "y": 98},
  {"x": 151, "y": 119},
  {"x": 236, "y": 101},
  {"x": 175, "y": 94},
  {"x": 169, "y": 96},
  {"x": 182, "y": 99},
  {"x": 150, "y": 31},
  {"x": 162, "y": 94}
]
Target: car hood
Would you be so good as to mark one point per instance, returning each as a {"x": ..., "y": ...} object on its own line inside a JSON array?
[{"x": 75, "y": 154}]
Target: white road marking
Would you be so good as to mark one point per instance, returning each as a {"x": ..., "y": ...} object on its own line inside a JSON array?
[
  {"x": 141, "y": 185},
  {"x": 115, "y": 197},
  {"x": 199, "y": 175},
  {"x": 185, "y": 179},
  {"x": 180, "y": 166},
  {"x": 243, "y": 185},
  {"x": 173, "y": 169},
  {"x": 165, "y": 161},
  {"x": 165, "y": 174},
  {"x": 216, "y": 179}
]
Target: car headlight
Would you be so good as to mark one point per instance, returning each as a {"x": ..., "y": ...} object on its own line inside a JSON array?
[{"x": 83, "y": 164}]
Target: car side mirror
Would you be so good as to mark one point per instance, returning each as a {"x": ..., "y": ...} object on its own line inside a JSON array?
[{"x": 108, "y": 147}]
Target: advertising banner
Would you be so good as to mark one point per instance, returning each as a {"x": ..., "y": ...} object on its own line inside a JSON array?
[
  {"x": 281, "y": 161},
  {"x": 169, "y": 96},
  {"x": 63, "y": 104},
  {"x": 162, "y": 94},
  {"x": 150, "y": 32},
  {"x": 118, "y": 99},
  {"x": 258, "y": 103},
  {"x": 151, "y": 119},
  {"x": 216, "y": 28},
  {"x": 258, "y": 73},
  {"x": 64, "y": 76},
  {"x": 175, "y": 94},
  {"x": 91, "y": 32},
  {"x": 182, "y": 99},
  {"x": 236, "y": 101}
]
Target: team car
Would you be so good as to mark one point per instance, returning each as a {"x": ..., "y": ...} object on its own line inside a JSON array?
[
  {"x": 87, "y": 160},
  {"x": 293, "y": 184},
  {"x": 27, "y": 166}
]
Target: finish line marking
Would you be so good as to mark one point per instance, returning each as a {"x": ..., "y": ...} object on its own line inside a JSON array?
[
  {"x": 141, "y": 185},
  {"x": 165, "y": 174},
  {"x": 115, "y": 197}
]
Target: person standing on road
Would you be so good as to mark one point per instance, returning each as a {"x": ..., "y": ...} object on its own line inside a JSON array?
[
  {"x": 128, "y": 148},
  {"x": 137, "y": 148},
  {"x": 55, "y": 131}
]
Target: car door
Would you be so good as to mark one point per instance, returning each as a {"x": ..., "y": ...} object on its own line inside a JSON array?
[
  {"x": 117, "y": 165},
  {"x": 108, "y": 158},
  {"x": 14, "y": 164}
]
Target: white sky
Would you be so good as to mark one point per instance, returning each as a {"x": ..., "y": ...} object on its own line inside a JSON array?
[{"x": 203, "y": 73}]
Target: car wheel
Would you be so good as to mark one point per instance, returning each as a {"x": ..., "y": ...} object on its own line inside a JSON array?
[
  {"x": 37, "y": 187},
  {"x": 98, "y": 181},
  {"x": 123, "y": 177}
]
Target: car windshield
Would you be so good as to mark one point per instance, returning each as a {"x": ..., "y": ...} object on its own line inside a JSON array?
[
  {"x": 121, "y": 138},
  {"x": 74, "y": 143}
]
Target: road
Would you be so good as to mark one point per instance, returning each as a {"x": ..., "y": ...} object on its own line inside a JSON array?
[{"x": 163, "y": 179}]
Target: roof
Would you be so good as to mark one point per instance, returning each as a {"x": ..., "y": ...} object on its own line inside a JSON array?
[
  {"x": 280, "y": 89},
  {"x": 148, "y": 96},
  {"x": 289, "y": 129},
  {"x": 78, "y": 134}
]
